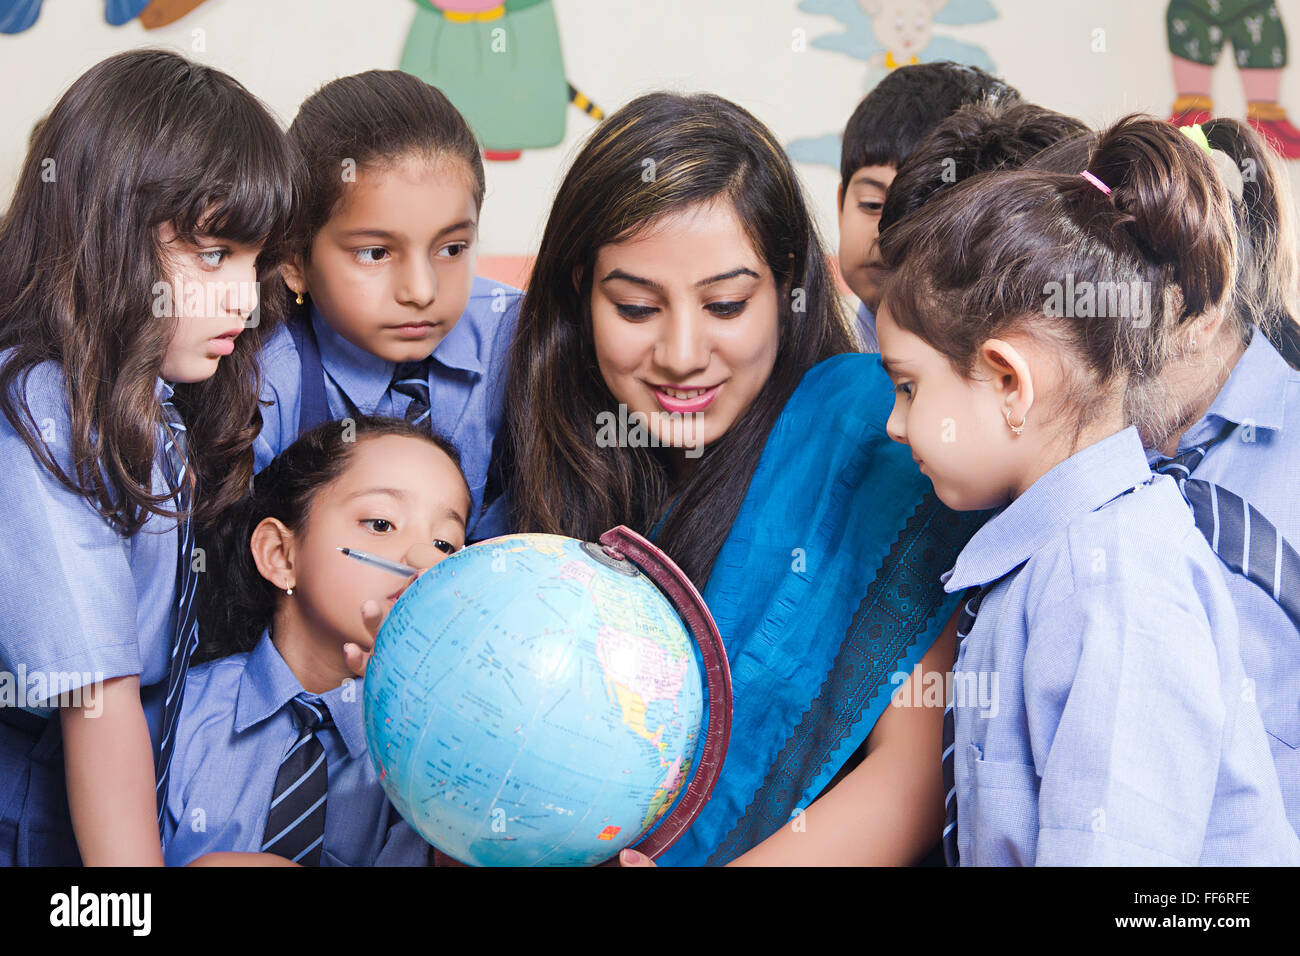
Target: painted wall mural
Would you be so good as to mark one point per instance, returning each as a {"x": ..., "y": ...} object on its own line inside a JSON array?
[
  {"x": 501, "y": 65},
  {"x": 1198, "y": 31},
  {"x": 17, "y": 15},
  {"x": 887, "y": 34}
]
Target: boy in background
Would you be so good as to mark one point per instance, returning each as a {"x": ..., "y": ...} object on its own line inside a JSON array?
[{"x": 882, "y": 133}]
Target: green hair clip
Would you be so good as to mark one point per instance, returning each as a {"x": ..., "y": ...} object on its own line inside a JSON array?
[{"x": 1197, "y": 136}]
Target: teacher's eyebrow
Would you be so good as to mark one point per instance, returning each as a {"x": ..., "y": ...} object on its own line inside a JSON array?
[
  {"x": 652, "y": 284},
  {"x": 891, "y": 366}
]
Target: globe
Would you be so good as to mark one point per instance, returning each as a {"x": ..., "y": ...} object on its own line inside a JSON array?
[{"x": 533, "y": 700}]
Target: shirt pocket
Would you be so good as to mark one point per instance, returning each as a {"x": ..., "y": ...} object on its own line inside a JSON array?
[{"x": 1004, "y": 811}]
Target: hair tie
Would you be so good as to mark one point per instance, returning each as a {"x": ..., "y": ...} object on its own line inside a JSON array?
[
  {"x": 1197, "y": 136},
  {"x": 1095, "y": 181}
]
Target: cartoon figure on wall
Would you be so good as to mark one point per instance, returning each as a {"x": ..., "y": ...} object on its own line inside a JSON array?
[
  {"x": 887, "y": 34},
  {"x": 17, "y": 15},
  {"x": 1197, "y": 32},
  {"x": 501, "y": 65}
]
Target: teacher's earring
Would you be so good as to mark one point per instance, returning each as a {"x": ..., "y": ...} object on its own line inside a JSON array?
[
  {"x": 289, "y": 589},
  {"x": 1015, "y": 429},
  {"x": 300, "y": 300}
]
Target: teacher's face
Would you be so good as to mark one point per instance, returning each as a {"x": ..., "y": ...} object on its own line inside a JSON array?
[{"x": 684, "y": 316}]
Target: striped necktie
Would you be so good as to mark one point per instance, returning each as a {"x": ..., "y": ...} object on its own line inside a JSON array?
[
  {"x": 412, "y": 380},
  {"x": 965, "y": 621},
  {"x": 186, "y": 634},
  {"x": 295, "y": 824},
  {"x": 1244, "y": 539}
]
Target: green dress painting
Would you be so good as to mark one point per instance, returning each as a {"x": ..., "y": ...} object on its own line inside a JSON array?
[{"x": 501, "y": 65}]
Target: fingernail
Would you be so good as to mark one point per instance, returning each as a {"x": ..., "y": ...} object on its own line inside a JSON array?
[{"x": 630, "y": 856}]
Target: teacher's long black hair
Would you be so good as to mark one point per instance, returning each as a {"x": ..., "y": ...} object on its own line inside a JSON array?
[{"x": 558, "y": 477}]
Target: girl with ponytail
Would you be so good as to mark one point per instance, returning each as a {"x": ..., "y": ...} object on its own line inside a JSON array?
[
  {"x": 1224, "y": 411},
  {"x": 1097, "y": 710},
  {"x": 278, "y": 610}
]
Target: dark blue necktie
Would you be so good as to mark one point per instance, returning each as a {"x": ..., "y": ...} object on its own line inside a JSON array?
[
  {"x": 295, "y": 824},
  {"x": 412, "y": 380},
  {"x": 186, "y": 634},
  {"x": 1244, "y": 539},
  {"x": 965, "y": 621}
]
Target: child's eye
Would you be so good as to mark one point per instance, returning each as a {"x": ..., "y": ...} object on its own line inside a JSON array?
[
  {"x": 213, "y": 258},
  {"x": 726, "y": 310},
  {"x": 371, "y": 254},
  {"x": 454, "y": 251},
  {"x": 874, "y": 208},
  {"x": 905, "y": 388},
  {"x": 371, "y": 522},
  {"x": 446, "y": 547},
  {"x": 635, "y": 311}
]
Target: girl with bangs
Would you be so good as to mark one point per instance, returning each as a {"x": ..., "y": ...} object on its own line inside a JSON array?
[{"x": 152, "y": 201}]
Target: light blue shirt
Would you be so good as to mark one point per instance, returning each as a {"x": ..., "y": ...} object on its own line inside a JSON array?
[
  {"x": 1261, "y": 462},
  {"x": 1100, "y": 713},
  {"x": 867, "y": 326},
  {"x": 236, "y": 726},
  {"x": 466, "y": 382},
  {"x": 79, "y": 603}
]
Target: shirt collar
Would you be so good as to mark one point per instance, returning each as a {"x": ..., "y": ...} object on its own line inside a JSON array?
[
  {"x": 1082, "y": 483},
  {"x": 267, "y": 685},
  {"x": 162, "y": 390},
  {"x": 363, "y": 376},
  {"x": 460, "y": 349},
  {"x": 1255, "y": 391}
]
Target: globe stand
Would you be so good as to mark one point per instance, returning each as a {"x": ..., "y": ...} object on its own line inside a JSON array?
[{"x": 624, "y": 544}]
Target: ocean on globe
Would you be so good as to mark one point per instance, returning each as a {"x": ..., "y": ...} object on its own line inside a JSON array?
[{"x": 532, "y": 701}]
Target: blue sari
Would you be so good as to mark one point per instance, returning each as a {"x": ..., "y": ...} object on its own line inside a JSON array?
[{"x": 826, "y": 587}]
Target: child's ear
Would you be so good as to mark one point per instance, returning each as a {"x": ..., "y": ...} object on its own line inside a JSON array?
[
  {"x": 272, "y": 546},
  {"x": 839, "y": 199},
  {"x": 577, "y": 279},
  {"x": 294, "y": 275},
  {"x": 1012, "y": 381}
]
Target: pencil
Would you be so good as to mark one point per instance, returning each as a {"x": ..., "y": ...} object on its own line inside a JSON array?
[{"x": 366, "y": 557}]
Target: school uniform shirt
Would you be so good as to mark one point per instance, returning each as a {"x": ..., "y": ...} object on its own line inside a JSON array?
[
  {"x": 1261, "y": 463},
  {"x": 80, "y": 603},
  {"x": 236, "y": 726},
  {"x": 867, "y": 326},
  {"x": 1099, "y": 710},
  {"x": 466, "y": 382}
]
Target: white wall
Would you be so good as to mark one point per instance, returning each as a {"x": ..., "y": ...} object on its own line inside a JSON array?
[{"x": 742, "y": 49}]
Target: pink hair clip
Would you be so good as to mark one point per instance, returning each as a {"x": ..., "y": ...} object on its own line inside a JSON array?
[{"x": 1095, "y": 181}]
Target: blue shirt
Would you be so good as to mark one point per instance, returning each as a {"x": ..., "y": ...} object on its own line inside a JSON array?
[
  {"x": 236, "y": 726},
  {"x": 466, "y": 382},
  {"x": 867, "y": 326},
  {"x": 1261, "y": 462},
  {"x": 1099, "y": 710},
  {"x": 80, "y": 603}
]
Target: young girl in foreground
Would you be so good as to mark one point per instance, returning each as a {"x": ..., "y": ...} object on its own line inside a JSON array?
[
  {"x": 1123, "y": 733},
  {"x": 280, "y": 692},
  {"x": 149, "y": 206}
]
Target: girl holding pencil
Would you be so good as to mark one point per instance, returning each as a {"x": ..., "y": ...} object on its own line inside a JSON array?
[{"x": 274, "y": 707}]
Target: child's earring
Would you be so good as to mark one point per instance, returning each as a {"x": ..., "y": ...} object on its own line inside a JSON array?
[
  {"x": 1015, "y": 429},
  {"x": 289, "y": 589},
  {"x": 300, "y": 299}
]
